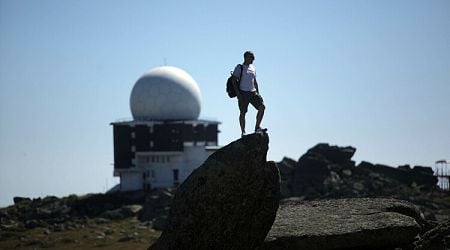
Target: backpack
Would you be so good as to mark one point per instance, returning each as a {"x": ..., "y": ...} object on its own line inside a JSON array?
[{"x": 230, "y": 89}]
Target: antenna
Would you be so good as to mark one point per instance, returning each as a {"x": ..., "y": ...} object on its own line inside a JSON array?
[{"x": 165, "y": 62}]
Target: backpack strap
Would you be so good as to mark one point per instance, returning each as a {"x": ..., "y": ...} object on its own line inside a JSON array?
[{"x": 242, "y": 69}]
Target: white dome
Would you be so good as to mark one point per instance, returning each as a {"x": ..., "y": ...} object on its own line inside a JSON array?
[{"x": 165, "y": 93}]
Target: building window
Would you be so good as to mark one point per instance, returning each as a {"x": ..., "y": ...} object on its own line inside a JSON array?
[
  {"x": 133, "y": 148},
  {"x": 151, "y": 144},
  {"x": 176, "y": 181},
  {"x": 159, "y": 158},
  {"x": 153, "y": 174},
  {"x": 133, "y": 135},
  {"x": 150, "y": 129},
  {"x": 175, "y": 175}
]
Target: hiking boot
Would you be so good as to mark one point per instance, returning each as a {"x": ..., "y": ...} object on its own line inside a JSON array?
[{"x": 259, "y": 129}]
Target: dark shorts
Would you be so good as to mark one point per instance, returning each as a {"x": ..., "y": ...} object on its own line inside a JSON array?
[{"x": 250, "y": 97}]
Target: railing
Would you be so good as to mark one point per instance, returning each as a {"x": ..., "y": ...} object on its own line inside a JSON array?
[{"x": 442, "y": 172}]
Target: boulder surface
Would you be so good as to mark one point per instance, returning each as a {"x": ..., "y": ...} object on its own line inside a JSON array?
[
  {"x": 358, "y": 223},
  {"x": 229, "y": 202}
]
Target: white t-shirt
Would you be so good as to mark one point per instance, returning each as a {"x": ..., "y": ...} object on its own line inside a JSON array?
[{"x": 248, "y": 77}]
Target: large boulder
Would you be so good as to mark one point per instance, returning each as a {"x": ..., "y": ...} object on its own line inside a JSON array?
[
  {"x": 336, "y": 154},
  {"x": 229, "y": 202},
  {"x": 358, "y": 223},
  {"x": 287, "y": 169},
  {"x": 313, "y": 168}
]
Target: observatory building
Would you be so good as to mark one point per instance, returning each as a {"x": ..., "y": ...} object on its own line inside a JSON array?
[{"x": 165, "y": 141}]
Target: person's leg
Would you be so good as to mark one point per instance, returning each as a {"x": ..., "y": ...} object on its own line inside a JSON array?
[
  {"x": 258, "y": 103},
  {"x": 259, "y": 116},
  {"x": 242, "y": 122},
  {"x": 243, "y": 107}
]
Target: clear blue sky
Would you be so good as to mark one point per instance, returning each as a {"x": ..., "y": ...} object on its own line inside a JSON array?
[{"x": 371, "y": 74}]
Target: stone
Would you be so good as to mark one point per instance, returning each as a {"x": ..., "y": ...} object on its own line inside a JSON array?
[
  {"x": 286, "y": 166},
  {"x": 357, "y": 223},
  {"x": 358, "y": 186},
  {"x": 30, "y": 224},
  {"x": 108, "y": 231},
  {"x": 59, "y": 228},
  {"x": 347, "y": 172},
  {"x": 115, "y": 214},
  {"x": 335, "y": 154},
  {"x": 4, "y": 214},
  {"x": 157, "y": 203},
  {"x": 131, "y": 210},
  {"x": 159, "y": 223},
  {"x": 435, "y": 239},
  {"x": 229, "y": 202},
  {"x": 100, "y": 236},
  {"x": 18, "y": 200},
  {"x": 123, "y": 212},
  {"x": 127, "y": 237},
  {"x": 101, "y": 220}
]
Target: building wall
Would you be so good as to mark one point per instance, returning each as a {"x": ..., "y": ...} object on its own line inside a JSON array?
[
  {"x": 130, "y": 181},
  {"x": 122, "y": 146},
  {"x": 152, "y": 155}
]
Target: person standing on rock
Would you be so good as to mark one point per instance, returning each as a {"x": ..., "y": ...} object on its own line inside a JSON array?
[{"x": 247, "y": 91}]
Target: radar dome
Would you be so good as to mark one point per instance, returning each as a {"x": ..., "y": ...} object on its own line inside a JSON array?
[{"x": 165, "y": 93}]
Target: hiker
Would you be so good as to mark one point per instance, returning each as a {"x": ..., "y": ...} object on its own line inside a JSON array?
[{"x": 247, "y": 91}]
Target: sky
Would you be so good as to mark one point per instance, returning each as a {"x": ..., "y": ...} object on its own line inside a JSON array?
[{"x": 374, "y": 75}]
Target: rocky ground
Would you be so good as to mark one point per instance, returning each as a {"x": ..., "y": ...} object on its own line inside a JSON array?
[
  {"x": 109, "y": 221},
  {"x": 126, "y": 233},
  {"x": 326, "y": 202}
]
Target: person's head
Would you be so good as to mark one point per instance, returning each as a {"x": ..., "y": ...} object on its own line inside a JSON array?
[{"x": 249, "y": 56}]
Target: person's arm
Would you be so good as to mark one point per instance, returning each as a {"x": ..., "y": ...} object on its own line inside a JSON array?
[
  {"x": 236, "y": 75},
  {"x": 236, "y": 87}
]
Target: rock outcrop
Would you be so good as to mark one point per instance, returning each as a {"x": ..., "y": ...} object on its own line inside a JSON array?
[
  {"x": 359, "y": 223},
  {"x": 418, "y": 176},
  {"x": 312, "y": 173},
  {"x": 326, "y": 171},
  {"x": 229, "y": 202}
]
